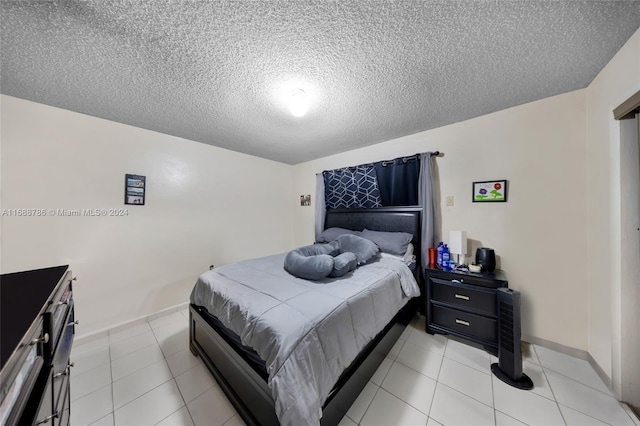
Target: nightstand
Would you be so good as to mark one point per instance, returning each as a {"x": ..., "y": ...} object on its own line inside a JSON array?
[{"x": 464, "y": 304}]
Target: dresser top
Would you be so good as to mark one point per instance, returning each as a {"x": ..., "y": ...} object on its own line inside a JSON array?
[
  {"x": 498, "y": 274},
  {"x": 22, "y": 297}
]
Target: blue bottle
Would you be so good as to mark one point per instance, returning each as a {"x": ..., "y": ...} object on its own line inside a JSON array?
[
  {"x": 440, "y": 246},
  {"x": 445, "y": 257}
]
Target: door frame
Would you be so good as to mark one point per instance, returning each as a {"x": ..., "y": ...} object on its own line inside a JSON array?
[{"x": 626, "y": 382}]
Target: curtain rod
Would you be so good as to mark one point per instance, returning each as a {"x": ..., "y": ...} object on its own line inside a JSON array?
[
  {"x": 405, "y": 159},
  {"x": 384, "y": 163}
]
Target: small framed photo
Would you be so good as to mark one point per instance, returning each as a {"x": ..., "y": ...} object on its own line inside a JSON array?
[
  {"x": 490, "y": 191},
  {"x": 305, "y": 200},
  {"x": 134, "y": 189}
]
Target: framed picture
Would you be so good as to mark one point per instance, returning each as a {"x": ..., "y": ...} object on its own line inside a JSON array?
[
  {"x": 305, "y": 200},
  {"x": 490, "y": 191},
  {"x": 134, "y": 189}
]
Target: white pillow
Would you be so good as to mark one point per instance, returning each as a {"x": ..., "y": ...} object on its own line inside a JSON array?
[{"x": 408, "y": 258}]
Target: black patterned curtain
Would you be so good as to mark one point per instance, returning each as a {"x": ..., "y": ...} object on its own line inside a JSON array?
[
  {"x": 352, "y": 187},
  {"x": 385, "y": 183}
]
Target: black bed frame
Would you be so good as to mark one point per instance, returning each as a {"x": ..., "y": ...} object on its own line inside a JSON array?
[{"x": 247, "y": 388}]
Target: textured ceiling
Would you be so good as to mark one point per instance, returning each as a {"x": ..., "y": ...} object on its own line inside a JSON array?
[{"x": 216, "y": 71}]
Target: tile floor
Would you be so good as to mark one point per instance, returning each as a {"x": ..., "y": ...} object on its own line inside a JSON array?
[{"x": 146, "y": 375}]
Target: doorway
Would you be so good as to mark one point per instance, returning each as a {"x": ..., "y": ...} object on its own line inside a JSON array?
[{"x": 628, "y": 380}]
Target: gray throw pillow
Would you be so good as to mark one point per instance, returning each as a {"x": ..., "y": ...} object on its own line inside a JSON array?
[
  {"x": 362, "y": 248},
  {"x": 343, "y": 264},
  {"x": 310, "y": 267},
  {"x": 331, "y": 249},
  {"x": 389, "y": 242},
  {"x": 330, "y": 234}
]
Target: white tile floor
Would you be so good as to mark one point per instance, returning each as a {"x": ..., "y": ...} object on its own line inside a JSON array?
[{"x": 146, "y": 375}]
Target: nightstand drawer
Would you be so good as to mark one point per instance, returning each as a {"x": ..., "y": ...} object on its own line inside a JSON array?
[
  {"x": 472, "y": 325},
  {"x": 472, "y": 299},
  {"x": 480, "y": 280}
]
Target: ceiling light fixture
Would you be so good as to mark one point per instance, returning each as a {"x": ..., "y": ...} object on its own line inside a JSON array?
[{"x": 298, "y": 104}]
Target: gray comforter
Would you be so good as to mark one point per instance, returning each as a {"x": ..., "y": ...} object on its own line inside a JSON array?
[{"x": 306, "y": 332}]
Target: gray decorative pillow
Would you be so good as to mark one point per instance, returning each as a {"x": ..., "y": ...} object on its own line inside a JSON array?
[
  {"x": 343, "y": 264},
  {"x": 332, "y": 249},
  {"x": 389, "y": 242},
  {"x": 362, "y": 248},
  {"x": 310, "y": 267},
  {"x": 330, "y": 234}
]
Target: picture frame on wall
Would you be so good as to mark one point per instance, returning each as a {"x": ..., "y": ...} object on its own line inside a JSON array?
[
  {"x": 134, "y": 189},
  {"x": 305, "y": 200},
  {"x": 490, "y": 191}
]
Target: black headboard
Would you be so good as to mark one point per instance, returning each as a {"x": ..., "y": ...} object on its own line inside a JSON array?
[{"x": 390, "y": 219}]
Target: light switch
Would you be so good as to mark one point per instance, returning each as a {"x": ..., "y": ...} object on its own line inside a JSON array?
[{"x": 449, "y": 200}]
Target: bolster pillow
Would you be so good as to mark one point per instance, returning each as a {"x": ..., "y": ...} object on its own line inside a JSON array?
[
  {"x": 313, "y": 262},
  {"x": 314, "y": 267},
  {"x": 364, "y": 249},
  {"x": 317, "y": 261},
  {"x": 332, "y": 249},
  {"x": 343, "y": 264}
]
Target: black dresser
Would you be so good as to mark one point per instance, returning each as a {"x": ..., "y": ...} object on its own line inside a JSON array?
[
  {"x": 464, "y": 305},
  {"x": 37, "y": 327}
]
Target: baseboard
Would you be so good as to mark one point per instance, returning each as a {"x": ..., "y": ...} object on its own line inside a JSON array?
[
  {"x": 634, "y": 412},
  {"x": 568, "y": 350},
  {"x": 603, "y": 376},
  {"x": 86, "y": 338}
]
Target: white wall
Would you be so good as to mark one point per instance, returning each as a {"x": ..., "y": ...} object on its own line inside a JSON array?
[
  {"x": 539, "y": 234},
  {"x": 204, "y": 205},
  {"x": 614, "y": 84}
]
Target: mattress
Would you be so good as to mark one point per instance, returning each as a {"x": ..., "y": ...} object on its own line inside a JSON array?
[{"x": 306, "y": 332}]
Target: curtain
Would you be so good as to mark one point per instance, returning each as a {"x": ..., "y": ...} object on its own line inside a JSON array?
[
  {"x": 321, "y": 209},
  {"x": 427, "y": 199},
  {"x": 352, "y": 187},
  {"x": 385, "y": 183},
  {"x": 398, "y": 181}
]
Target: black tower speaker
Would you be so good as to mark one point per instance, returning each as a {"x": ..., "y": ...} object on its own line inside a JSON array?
[{"x": 509, "y": 367}]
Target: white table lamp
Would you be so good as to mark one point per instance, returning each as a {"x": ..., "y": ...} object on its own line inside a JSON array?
[{"x": 458, "y": 244}]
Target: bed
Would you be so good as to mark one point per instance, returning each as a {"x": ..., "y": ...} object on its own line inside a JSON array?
[{"x": 247, "y": 379}]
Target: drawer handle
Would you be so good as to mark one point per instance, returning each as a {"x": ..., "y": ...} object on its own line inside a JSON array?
[
  {"x": 43, "y": 339},
  {"x": 462, "y": 296},
  {"x": 457, "y": 282},
  {"x": 65, "y": 372},
  {"x": 459, "y": 321},
  {"x": 76, "y": 322},
  {"x": 46, "y": 419},
  {"x": 66, "y": 302}
]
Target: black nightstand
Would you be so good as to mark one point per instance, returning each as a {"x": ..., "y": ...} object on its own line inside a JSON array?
[{"x": 464, "y": 305}]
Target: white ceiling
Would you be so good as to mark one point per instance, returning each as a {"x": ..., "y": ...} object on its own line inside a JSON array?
[{"x": 215, "y": 71}]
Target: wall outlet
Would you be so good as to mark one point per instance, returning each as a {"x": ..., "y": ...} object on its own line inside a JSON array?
[{"x": 449, "y": 200}]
